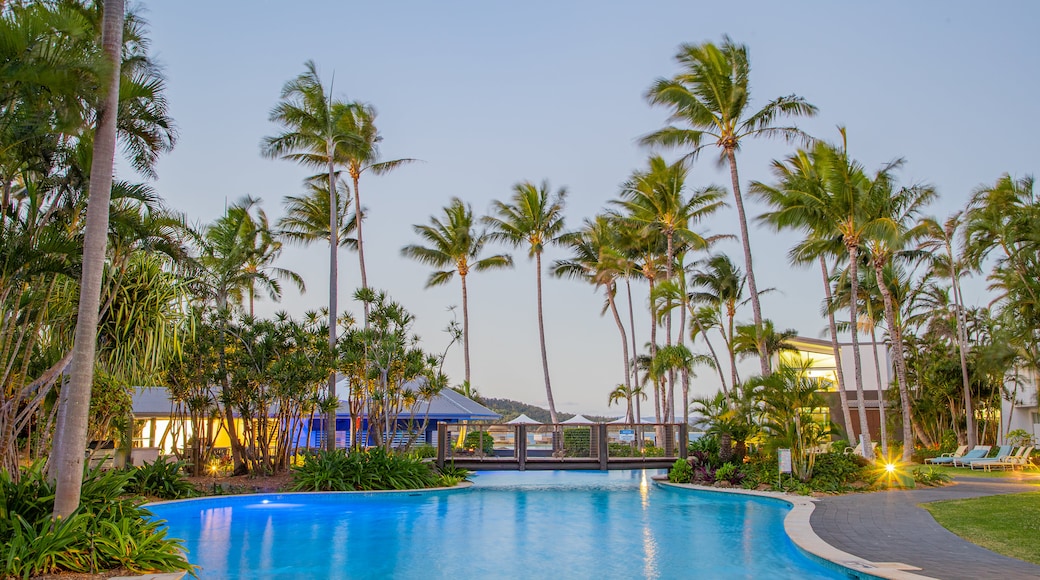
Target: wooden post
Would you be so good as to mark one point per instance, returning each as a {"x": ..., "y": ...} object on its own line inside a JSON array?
[
  {"x": 603, "y": 447},
  {"x": 521, "y": 447},
  {"x": 442, "y": 437},
  {"x": 684, "y": 438}
]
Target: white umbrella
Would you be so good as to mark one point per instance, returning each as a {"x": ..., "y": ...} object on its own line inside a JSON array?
[
  {"x": 523, "y": 419},
  {"x": 578, "y": 419}
]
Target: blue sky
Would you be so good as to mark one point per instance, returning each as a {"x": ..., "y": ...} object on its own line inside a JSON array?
[{"x": 488, "y": 94}]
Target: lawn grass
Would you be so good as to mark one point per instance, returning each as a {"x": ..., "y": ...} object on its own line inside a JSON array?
[{"x": 1006, "y": 524}]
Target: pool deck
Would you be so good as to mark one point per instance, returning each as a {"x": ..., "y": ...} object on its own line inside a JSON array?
[{"x": 885, "y": 534}]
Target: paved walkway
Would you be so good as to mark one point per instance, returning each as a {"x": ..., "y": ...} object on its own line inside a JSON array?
[{"x": 889, "y": 527}]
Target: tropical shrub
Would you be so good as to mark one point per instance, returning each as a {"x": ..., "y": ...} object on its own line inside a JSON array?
[
  {"x": 681, "y": 472},
  {"x": 424, "y": 452},
  {"x": 450, "y": 470},
  {"x": 622, "y": 450},
  {"x": 836, "y": 471},
  {"x": 577, "y": 441},
  {"x": 729, "y": 472},
  {"x": 651, "y": 450},
  {"x": 481, "y": 439},
  {"x": 372, "y": 469},
  {"x": 109, "y": 530},
  {"x": 164, "y": 480},
  {"x": 930, "y": 476}
]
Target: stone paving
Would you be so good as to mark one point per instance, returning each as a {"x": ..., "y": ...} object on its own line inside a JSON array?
[{"x": 890, "y": 527}]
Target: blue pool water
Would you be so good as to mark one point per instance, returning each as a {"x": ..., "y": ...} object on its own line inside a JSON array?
[{"x": 615, "y": 524}]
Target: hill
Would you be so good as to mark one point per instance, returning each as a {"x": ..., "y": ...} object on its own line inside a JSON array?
[{"x": 510, "y": 409}]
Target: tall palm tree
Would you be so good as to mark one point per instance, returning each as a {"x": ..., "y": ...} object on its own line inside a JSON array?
[
  {"x": 941, "y": 243},
  {"x": 823, "y": 192},
  {"x": 894, "y": 225},
  {"x": 534, "y": 217},
  {"x": 654, "y": 200},
  {"x": 361, "y": 155},
  {"x": 622, "y": 393},
  {"x": 71, "y": 431},
  {"x": 316, "y": 128},
  {"x": 264, "y": 246},
  {"x": 710, "y": 98},
  {"x": 454, "y": 245},
  {"x": 596, "y": 259}
]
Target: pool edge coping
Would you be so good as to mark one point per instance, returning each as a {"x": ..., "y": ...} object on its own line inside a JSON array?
[
  {"x": 461, "y": 486},
  {"x": 798, "y": 527}
]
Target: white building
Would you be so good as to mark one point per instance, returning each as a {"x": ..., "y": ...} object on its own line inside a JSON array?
[{"x": 1020, "y": 408}]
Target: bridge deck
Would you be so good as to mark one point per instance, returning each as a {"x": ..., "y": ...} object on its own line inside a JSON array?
[{"x": 550, "y": 463}]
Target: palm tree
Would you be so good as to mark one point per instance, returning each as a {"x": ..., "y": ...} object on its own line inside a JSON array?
[
  {"x": 824, "y": 193},
  {"x": 316, "y": 128},
  {"x": 71, "y": 432},
  {"x": 454, "y": 245},
  {"x": 722, "y": 285},
  {"x": 264, "y": 247},
  {"x": 747, "y": 343},
  {"x": 597, "y": 260},
  {"x": 361, "y": 155},
  {"x": 654, "y": 201},
  {"x": 535, "y": 218},
  {"x": 622, "y": 393},
  {"x": 894, "y": 225},
  {"x": 945, "y": 262},
  {"x": 306, "y": 218},
  {"x": 710, "y": 97}
]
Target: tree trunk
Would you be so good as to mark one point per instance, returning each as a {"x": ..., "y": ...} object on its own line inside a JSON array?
[
  {"x": 962, "y": 345},
  {"x": 624, "y": 343},
  {"x": 330, "y": 411},
  {"x": 857, "y": 363},
  {"x": 653, "y": 355},
  {"x": 465, "y": 326},
  {"x": 756, "y": 306},
  {"x": 882, "y": 403},
  {"x": 839, "y": 373},
  {"x": 632, "y": 327},
  {"x": 541, "y": 338},
  {"x": 669, "y": 395},
  {"x": 356, "y": 176},
  {"x": 897, "y": 357},
  {"x": 66, "y": 469}
]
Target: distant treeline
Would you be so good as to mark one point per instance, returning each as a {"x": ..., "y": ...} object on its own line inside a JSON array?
[{"x": 510, "y": 409}]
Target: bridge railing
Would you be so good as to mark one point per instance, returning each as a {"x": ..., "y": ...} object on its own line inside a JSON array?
[{"x": 583, "y": 442}]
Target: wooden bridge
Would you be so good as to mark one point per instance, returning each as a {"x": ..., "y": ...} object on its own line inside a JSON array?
[{"x": 590, "y": 446}]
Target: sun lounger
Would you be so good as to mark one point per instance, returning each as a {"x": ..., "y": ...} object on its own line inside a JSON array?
[
  {"x": 978, "y": 452},
  {"x": 948, "y": 456},
  {"x": 982, "y": 463},
  {"x": 966, "y": 461},
  {"x": 1020, "y": 459}
]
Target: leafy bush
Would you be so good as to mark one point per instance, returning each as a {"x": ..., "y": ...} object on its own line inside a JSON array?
[
  {"x": 652, "y": 451},
  {"x": 835, "y": 471},
  {"x": 164, "y": 480},
  {"x": 577, "y": 441},
  {"x": 373, "y": 469},
  {"x": 107, "y": 531},
  {"x": 708, "y": 447},
  {"x": 424, "y": 452},
  {"x": 622, "y": 450},
  {"x": 481, "y": 439},
  {"x": 930, "y": 476},
  {"x": 681, "y": 472},
  {"x": 730, "y": 472},
  {"x": 449, "y": 470}
]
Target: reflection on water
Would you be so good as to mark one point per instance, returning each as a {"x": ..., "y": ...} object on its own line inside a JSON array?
[{"x": 508, "y": 525}]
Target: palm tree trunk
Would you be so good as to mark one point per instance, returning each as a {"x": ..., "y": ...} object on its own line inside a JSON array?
[
  {"x": 632, "y": 327},
  {"x": 900, "y": 363},
  {"x": 360, "y": 239},
  {"x": 882, "y": 403},
  {"x": 66, "y": 469},
  {"x": 711, "y": 349},
  {"x": 611, "y": 289},
  {"x": 857, "y": 362},
  {"x": 330, "y": 412},
  {"x": 962, "y": 345},
  {"x": 465, "y": 325},
  {"x": 839, "y": 373},
  {"x": 756, "y": 306},
  {"x": 732, "y": 350},
  {"x": 653, "y": 355},
  {"x": 541, "y": 338},
  {"x": 669, "y": 399}
]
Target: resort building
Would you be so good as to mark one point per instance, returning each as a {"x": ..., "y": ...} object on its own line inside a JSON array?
[
  {"x": 161, "y": 425},
  {"x": 1020, "y": 407},
  {"x": 876, "y": 368}
]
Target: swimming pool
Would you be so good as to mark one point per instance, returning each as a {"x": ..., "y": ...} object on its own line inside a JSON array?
[{"x": 573, "y": 524}]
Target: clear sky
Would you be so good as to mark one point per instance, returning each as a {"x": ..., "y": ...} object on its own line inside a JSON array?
[{"x": 488, "y": 94}]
